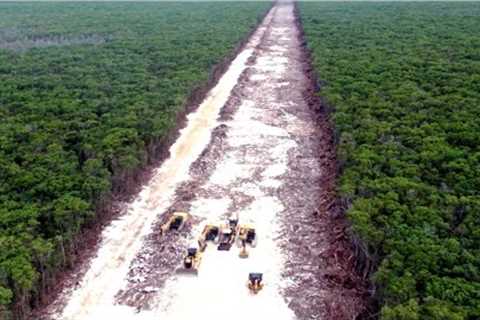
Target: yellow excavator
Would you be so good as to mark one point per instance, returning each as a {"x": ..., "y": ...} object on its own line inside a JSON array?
[
  {"x": 176, "y": 221},
  {"x": 255, "y": 282},
  {"x": 246, "y": 235},
  {"x": 210, "y": 233},
  {"x": 191, "y": 262}
]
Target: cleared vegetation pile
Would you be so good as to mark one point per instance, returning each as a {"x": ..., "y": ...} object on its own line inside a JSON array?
[
  {"x": 87, "y": 92},
  {"x": 404, "y": 80}
]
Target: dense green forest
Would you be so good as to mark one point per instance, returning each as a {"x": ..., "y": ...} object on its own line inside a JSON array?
[
  {"x": 403, "y": 81},
  {"x": 86, "y": 90}
]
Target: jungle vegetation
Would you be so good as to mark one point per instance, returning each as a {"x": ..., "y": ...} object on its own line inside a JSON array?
[
  {"x": 403, "y": 83},
  {"x": 86, "y": 91}
]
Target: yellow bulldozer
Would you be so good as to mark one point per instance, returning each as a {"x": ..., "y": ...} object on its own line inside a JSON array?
[
  {"x": 210, "y": 233},
  {"x": 255, "y": 282},
  {"x": 191, "y": 262},
  {"x": 175, "y": 221}
]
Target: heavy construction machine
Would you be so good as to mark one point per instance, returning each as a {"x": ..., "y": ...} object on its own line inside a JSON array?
[
  {"x": 228, "y": 233},
  {"x": 255, "y": 282},
  {"x": 175, "y": 221},
  {"x": 210, "y": 233},
  {"x": 233, "y": 224},
  {"x": 191, "y": 262},
  {"x": 226, "y": 238},
  {"x": 246, "y": 236}
]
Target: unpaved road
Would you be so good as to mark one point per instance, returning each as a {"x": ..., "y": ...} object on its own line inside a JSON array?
[{"x": 253, "y": 149}]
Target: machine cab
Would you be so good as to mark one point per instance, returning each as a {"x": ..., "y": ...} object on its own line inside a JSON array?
[{"x": 190, "y": 258}]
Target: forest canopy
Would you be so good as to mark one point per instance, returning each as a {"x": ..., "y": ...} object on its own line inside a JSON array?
[{"x": 403, "y": 81}]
